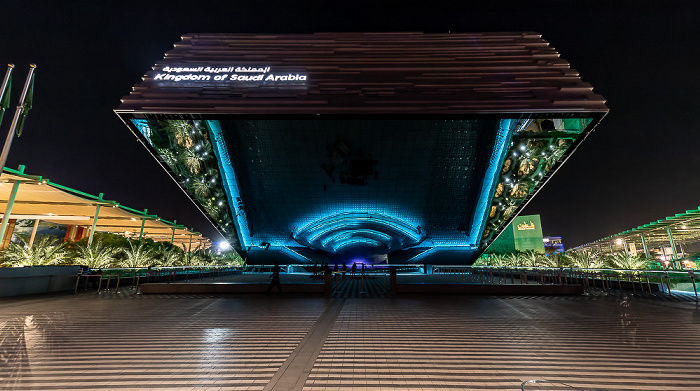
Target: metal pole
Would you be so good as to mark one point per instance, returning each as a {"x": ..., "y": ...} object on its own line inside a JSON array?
[
  {"x": 8, "y": 209},
  {"x": 624, "y": 245},
  {"x": 15, "y": 120},
  {"x": 644, "y": 243},
  {"x": 5, "y": 83},
  {"x": 33, "y": 235},
  {"x": 673, "y": 244},
  {"x": 94, "y": 221},
  {"x": 143, "y": 224},
  {"x": 611, "y": 250}
]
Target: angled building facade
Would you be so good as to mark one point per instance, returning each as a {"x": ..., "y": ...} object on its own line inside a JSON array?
[{"x": 326, "y": 147}]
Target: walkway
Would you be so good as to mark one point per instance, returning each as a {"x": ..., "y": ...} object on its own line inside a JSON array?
[{"x": 255, "y": 342}]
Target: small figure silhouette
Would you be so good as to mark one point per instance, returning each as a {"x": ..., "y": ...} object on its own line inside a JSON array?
[{"x": 275, "y": 280}]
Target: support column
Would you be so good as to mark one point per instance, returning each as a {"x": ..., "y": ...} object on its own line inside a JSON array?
[
  {"x": 172, "y": 238},
  {"x": 94, "y": 221},
  {"x": 143, "y": 224},
  {"x": 644, "y": 244},
  {"x": 190, "y": 242},
  {"x": 611, "y": 250},
  {"x": 673, "y": 244},
  {"x": 33, "y": 235},
  {"x": 7, "y": 239},
  {"x": 10, "y": 204},
  {"x": 624, "y": 245}
]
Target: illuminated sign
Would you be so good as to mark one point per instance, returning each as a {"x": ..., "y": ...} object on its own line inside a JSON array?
[
  {"x": 526, "y": 226},
  {"x": 249, "y": 75}
]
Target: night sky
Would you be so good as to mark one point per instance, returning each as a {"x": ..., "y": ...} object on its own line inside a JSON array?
[{"x": 643, "y": 57}]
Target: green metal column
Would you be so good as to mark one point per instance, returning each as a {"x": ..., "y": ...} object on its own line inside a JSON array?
[
  {"x": 673, "y": 244},
  {"x": 190, "y": 242},
  {"x": 94, "y": 222},
  {"x": 644, "y": 243},
  {"x": 624, "y": 245},
  {"x": 8, "y": 208},
  {"x": 172, "y": 238},
  {"x": 143, "y": 224},
  {"x": 10, "y": 204},
  {"x": 611, "y": 250}
]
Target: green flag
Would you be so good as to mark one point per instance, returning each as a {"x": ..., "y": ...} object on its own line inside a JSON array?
[
  {"x": 27, "y": 104},
  {"x": 5, "y": 99}
]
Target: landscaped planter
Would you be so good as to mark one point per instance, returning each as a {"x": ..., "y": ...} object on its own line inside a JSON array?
[{"x": 15, "y": 281}]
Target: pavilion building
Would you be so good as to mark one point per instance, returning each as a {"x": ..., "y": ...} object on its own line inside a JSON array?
[{"x": 330, "y": 147}]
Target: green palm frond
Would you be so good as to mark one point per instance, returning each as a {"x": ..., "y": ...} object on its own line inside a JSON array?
[
  {"x": 137, "y": 255},
  {"x": 98, "y": 255},
  {"x": 46, "y": 250}
]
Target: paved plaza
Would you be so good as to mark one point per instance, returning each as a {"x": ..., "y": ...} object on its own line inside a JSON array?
[{"x": 292, "y": 342}]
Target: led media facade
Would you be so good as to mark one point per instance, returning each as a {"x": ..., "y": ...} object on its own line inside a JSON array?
[{"x": 361, "y": 145}]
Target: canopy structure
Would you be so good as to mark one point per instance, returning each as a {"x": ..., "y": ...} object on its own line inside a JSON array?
[
  {"x": 670, "y": 238},
  {"x": 30, "y": 197},
  {"x": 338, "y": 147}
]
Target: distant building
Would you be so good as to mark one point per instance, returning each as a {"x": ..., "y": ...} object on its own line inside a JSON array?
[
  {"x": 553, "y": 244},
  {"x": 522, "y": 234}
]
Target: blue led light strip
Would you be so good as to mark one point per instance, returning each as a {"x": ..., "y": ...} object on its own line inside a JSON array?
[
  {"x": 505, "y": 130},
  {"x": 356, "y": 241},
  {"x": 329, "y": 224},
  {"x": 355, "y": 232},
  {"x": 228, "y": 176}
]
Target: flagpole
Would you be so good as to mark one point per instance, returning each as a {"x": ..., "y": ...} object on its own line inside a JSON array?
[
  {"x": 5, "y": 83},
  {"x": 15, "y": 120}
]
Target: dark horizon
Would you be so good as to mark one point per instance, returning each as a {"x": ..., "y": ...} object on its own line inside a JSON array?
[{"x": 632, "y": 170}]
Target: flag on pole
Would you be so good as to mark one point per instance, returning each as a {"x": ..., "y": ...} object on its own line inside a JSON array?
[{"x": 27, "y": 105}]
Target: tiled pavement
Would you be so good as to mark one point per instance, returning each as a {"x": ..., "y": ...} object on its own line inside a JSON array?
[{"x": 254, "y": 342}]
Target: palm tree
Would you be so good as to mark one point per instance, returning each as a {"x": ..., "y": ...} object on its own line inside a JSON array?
[
  {"x": 585, "y": 260},
  {"x": 556, "y": 260},
  {"x": 47, "y": 250},
  {"x": 531, "y": 258},
  {"x": 170, "y": 256},
  {"x": 192, "y": 160},
  {"x": 192, "y": 257},
  {"x": 628, "y": 262},
  {"x": 95, "y": 256},
  {"x": 137, "y": 255},
  {"x": 181, "y": 131},
  {"x": 513, "y": 260}
]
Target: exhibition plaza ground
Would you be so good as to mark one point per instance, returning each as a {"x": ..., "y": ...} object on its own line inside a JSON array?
[{"x": 293, "y": 342}]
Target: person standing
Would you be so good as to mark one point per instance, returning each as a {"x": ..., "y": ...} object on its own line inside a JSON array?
[
  {"x": 345, "y": 269},
  {"x": 354, "y": 269},
  {"x": 275, "y": 279}
]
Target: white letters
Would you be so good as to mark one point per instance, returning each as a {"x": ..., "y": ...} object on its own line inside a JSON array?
[{"x": 245, "y": 75}]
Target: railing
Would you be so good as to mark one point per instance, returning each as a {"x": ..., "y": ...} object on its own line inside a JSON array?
[
  {"x": 637, "y": 281},
  {"x": 137, "y": 276},
  {"x": 647, "y": 282}
]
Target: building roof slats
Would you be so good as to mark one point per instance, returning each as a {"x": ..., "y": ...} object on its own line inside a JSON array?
[{"x": 41, "y": 199}]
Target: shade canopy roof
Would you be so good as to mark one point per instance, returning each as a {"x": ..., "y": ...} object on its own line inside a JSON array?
[
  {"x": 323, "y": 147},
  {"x": 681, "y": 228},
  {"x": 38, "y": 198}
]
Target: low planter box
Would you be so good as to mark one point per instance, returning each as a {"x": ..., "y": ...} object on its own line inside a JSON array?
[{"x": 16, "y": 281}]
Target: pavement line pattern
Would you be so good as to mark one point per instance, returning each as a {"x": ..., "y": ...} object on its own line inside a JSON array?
[
  {"x": 489, "y": 343},
  {"x": 293, "y": 373},
  {"x": 82, "y": 342}
]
